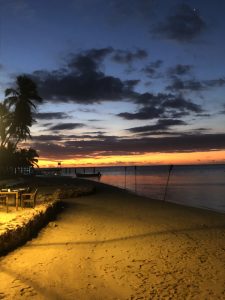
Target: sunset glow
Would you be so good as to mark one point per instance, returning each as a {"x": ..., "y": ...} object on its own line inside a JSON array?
[{"x": 145, "y": 159}]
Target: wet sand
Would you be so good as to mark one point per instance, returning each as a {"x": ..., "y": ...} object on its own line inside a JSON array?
[{"x": 115, "y": 245}]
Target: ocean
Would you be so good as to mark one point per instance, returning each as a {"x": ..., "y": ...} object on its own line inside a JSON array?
[{"x": 200, "y": 186}]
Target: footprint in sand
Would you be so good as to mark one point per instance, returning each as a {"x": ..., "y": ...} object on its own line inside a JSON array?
[
  {"x": 16, "y": 283},
  {"x": 27, "y": 291},
  {"x": 2, "y": 295}
]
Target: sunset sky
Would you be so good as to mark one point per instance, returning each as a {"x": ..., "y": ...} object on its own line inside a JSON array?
[{"x": 123, "y": 82}]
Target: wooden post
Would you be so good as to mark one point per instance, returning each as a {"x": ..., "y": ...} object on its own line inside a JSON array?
[
  {"x": 125, "y": 183},
  {"x": 135, "y": 179},
  {"x": 167, "y": 182}
]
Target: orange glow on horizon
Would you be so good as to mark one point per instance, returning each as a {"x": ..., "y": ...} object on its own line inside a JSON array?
[{"x": 209, "y": 157}]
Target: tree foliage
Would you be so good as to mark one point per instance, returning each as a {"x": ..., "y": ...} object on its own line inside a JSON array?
[{"x": 16, "y": 118}]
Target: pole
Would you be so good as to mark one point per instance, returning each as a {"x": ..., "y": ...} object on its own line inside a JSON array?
[
  {"x": 135, "y": 179},
  {"x": 167, "y": 182},
  {"x": 125, "y": 170}
]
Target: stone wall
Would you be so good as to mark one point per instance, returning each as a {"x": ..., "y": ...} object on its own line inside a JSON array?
[{"x": 26, "y": 225}]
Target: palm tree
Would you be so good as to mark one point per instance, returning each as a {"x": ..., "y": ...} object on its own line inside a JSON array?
[
  {"x": 21, "y": 101},
  {"x": 4, "y": 122},
  {"x": 25, "y": 158}
]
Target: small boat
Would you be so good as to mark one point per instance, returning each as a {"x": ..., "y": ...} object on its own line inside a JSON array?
[{"x": 84, "y": 175}]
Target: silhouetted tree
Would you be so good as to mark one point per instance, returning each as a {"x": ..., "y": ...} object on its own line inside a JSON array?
[
  {"x": 21, "y": 102},
  {"x": 25, "y": 158},
  {"x": 16, "y": 118},
  {"x": 5, "y": 121}
]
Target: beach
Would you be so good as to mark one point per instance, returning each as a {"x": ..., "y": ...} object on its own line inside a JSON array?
[{"x": 116, "y": 245}]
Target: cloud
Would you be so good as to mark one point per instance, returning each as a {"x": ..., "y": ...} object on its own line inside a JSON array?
[
  {"x": 161, "y": 105},
  {"x": 219, "y": 82},
  {"x": 144, "y": 113},
  {"x": 184, "y": 26},
  {"x": 194, "y": 85},
  {"x": 82, "y": 81},
  {"x": 47, "y": 138},
  {"x": 130, "y": 146},
  {"x": 66, "y": 126},
  {"x": 180, "y": 70},
  {"x": 127, "y": 57},
  {"x": 223, "y": 109},
  {"x": 51, "y": 138},
  {"x": 180, "y": 85},
  {"x": 182, "y": 105},
  {"x": 88, "y": 61},
  {"x": 151, "y": 69},
  {"x": 162, "y": 124},
  {"x": 50, "y": 116}
]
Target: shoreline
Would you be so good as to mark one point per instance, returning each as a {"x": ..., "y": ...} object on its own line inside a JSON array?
[
  {"x": 154, "y": 199},
  {"x": 11, "y": 182}
]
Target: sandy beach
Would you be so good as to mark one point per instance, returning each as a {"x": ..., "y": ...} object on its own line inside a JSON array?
[{"x": 116, "y": 245}]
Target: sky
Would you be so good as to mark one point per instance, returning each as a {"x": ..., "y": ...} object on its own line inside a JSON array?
[{"x": 135, "y": 82}]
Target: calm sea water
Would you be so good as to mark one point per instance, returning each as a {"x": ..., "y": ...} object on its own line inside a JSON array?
[{"x": 199, "y": 185}]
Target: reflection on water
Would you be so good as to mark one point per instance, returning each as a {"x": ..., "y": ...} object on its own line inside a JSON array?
[{"x": 201, "y": 186}]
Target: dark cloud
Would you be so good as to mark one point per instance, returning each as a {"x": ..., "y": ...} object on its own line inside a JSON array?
[
  {"x": 128, "y": 146},
  {"x": 144, "y": 113},
  {"x": 162, "y": 124},
  {"x": 182, "y": 105},
  {"x": 127, "y": 57},
  {"x": 180, "y": 70},
  {"x": 91, "y": 133},
  {"x": 131, "y": 84},
  {"x": 50, "y": 116},
  {"x": 66, "y": 126},
  {"x": 203, "y": 115},
  {"x": 47, "y": 124},
  {"x": 51, "y": 138},
  {"x": 223, "y": 109},
  {"x": 184, "y": 26},
  {"x": 82, "y": 80},
  {"x": 87, "y": 110},
  {"x": 99, "y": 54},
  {"x": 151, "y": 70},
  {"x": 215, "y": 82},
  {"x": 201, "y": 129},
  {"x": 47, "y": 138},
  {"x": 161, "y": 105},
  {"x": 181, "y": 85},
  {"x": 88, "y": 61},
  {"x": 149, "y": 98},
  {"x": 194, "y": 85}
]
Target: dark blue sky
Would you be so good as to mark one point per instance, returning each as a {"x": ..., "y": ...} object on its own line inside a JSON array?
[{"x": 123, "y": 78}]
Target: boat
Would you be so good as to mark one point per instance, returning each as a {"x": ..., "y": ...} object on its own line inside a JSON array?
[{"x": 87, "y": 175}]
